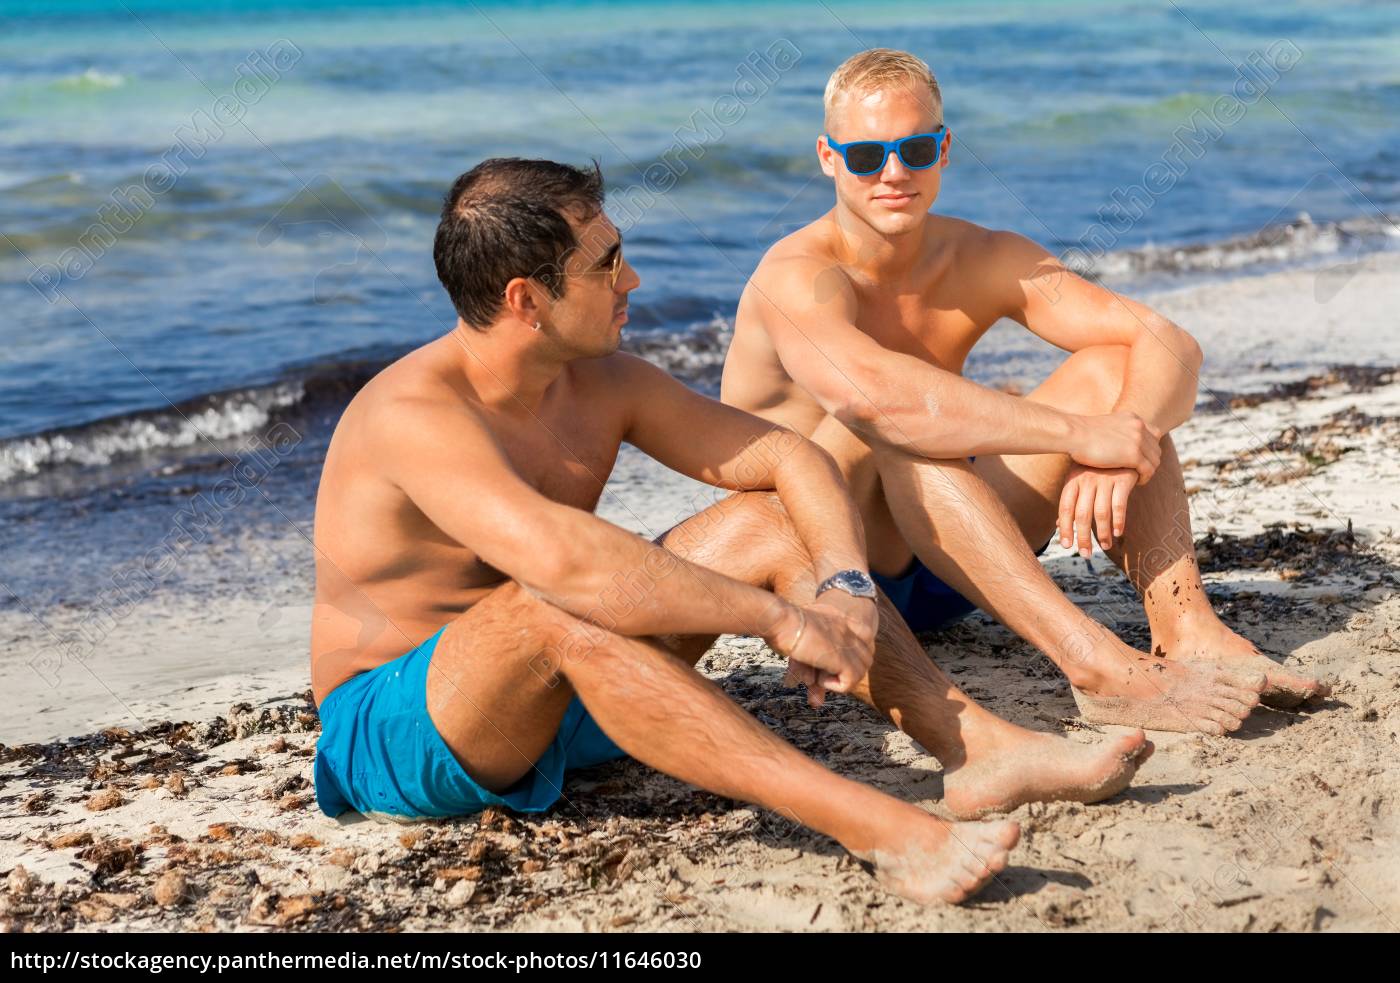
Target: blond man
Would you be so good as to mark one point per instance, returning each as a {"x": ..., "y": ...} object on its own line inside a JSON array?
[{"x": 854, "y": 330}]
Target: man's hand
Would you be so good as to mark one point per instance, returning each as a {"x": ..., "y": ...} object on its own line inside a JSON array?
[
  {"x": 1117, "y": 440},
  {"x": 1094, "y": 498},
  {"x": 835, "y": 648}
]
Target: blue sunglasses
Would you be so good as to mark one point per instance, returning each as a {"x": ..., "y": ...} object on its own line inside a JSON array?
[{"x": 916, "y": 152}]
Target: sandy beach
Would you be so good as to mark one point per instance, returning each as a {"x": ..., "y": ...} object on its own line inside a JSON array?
[{"x": 164, "y": 781}]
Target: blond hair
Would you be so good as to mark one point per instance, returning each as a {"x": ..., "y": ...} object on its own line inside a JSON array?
[{"x": 879, "y": 68}]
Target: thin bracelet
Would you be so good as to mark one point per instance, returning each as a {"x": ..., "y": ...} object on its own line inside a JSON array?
[{"x": 800, "y": 629}]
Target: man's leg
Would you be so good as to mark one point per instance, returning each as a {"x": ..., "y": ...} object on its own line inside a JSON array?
[
  {"x": 960, "y": 528},
  {"x": 504, "y": 672},
  {"x": 1157, "y": 550},
  {"x": 990, "y": 764}
]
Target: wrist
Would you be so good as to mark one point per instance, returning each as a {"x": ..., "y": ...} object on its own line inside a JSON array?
[
  {"x": 853, "y": 581},
  {"x": 1074, "y": 427},
  {"x": 785, "y": 628}
]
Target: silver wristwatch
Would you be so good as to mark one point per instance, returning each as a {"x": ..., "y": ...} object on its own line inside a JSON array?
[{"x": 857, "y": 583}]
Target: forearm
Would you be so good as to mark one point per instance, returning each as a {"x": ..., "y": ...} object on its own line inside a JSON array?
[
  {"x": 1162, "y": 378},
  {"x": 816, "y": 499},
  {"x": 621, "y": 582},
  {"x": 939, "y": 414}
]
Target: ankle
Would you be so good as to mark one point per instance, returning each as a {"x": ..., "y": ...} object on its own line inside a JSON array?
[
  {"x": 1088, "y": 655},
  {"x": 1182, "y": 631},
  {"x": 877, "y": 822},
  {"x": 988, "y": 738}
]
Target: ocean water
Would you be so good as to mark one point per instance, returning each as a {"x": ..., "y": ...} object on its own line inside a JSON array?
[{"x": 217, "y": 218}]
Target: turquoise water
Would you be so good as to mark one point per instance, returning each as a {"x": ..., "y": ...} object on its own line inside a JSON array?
[
  {"x": 288, "y": 252},
  {"x": 1053, "y": 105}
]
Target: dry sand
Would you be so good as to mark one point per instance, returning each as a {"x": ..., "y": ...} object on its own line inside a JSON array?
[{"x": 1290, "y": 825}]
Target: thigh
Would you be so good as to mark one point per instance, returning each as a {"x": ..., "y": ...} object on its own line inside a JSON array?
[
  {"x": 1087, "y": 383},
  {"x": 493, "y": 689}
]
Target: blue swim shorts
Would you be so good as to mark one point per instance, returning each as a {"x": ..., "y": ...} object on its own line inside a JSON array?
[
  {"x": 926, "y": 602},
  {"x": 380, "y": 754}
]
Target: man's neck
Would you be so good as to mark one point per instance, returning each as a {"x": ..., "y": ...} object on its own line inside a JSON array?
[
  {"x": 507, "y": 369},
  {"x": 881, "y": 258}
]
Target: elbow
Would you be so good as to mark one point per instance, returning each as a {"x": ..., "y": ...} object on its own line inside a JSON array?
[
  {"x": 554, "y": 574},
  {"x": 547, "y": 574},
  {"x": 855, "y": 411},
  {"x": 1191, "y": 352},
  {"x": 849, "y": 403}
]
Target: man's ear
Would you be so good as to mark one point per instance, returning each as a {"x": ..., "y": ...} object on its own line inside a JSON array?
[
  {"x": 826, "y": 157},
  {"x": 947, "y": 149},
  {"x": 522, "y": 300}
]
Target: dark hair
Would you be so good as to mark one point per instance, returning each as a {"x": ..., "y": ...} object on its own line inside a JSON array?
[{"x": 505, "y": 218}]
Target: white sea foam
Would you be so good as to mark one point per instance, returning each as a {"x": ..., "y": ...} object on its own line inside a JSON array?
[
  {"x": 93, "y": 79},
  {"x": 225, "y": 416}
]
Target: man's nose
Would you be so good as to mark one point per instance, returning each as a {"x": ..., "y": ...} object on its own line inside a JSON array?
[
  {"x": 628, "y": 280},
  {"x": 894, "y": 169}
]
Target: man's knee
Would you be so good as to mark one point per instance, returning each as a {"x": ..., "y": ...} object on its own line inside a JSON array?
[
  {"x": 764, "y": 526},
  {"x": 743, "y": 524},
  {"x": 1096, "y": 375},
  {"x": 549, "y": 638}
]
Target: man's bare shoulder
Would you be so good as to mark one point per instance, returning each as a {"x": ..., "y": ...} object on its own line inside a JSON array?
[
  {"x": 808, "y": 247},
  {"x": 798, "y": 271},
  {"x": 973, "y": 243},
  {"x": 409, "y": 398},
  {"x": 620, "y": 380},
  {"x": 988, "y": 269}
]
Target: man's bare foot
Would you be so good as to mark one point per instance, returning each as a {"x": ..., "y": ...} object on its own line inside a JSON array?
[
  {"x": 1217, "y": 643},
  {"x": 1123, "y": 686},
  {"x": 928, "y": 860},
  {"x": 1034, "y": 767}
]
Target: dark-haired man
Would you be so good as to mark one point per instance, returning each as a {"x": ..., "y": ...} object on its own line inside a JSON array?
[
  {"x": 853, "y": 331},
  {"x": 478, "y": 630}
]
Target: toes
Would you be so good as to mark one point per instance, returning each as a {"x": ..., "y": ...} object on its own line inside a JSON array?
[
  {"x": 1235, "y": 708},
  {"x": 1287, "y": 690},
  {"x": 1007, "y": 834},
  {"x": 1147, "y": 748},
  {"x": 1252, "y": 680},
  {"x": 1130, "y": 745},
  {"x": 1225, "y": 719},
  {"x": 970, "y": 882},
  {"x": 1208, "y": 726},
  {"x": 1229, "y": 687}
]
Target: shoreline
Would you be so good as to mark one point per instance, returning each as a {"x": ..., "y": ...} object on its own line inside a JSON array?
[{"x": 1291, "y": 825}]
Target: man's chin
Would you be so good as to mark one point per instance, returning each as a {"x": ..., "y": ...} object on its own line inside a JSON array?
[
  {"x": 607, "y": 347},
  {"x": 897, "y": 223}
]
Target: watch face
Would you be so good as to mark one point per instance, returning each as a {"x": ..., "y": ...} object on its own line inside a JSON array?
[{"x": 852, "y": 582}]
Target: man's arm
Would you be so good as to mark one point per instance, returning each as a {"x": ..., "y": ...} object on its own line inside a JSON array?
[
  {"x": 728, "y": 448},
  {"x": 1039, "y": 292},
  {"x": 905, "y": 402},
  {"x": 450, "y": 465}
]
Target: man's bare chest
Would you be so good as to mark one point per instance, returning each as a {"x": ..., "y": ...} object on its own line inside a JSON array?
[
  {"x": 566, "y": 460},
  {"x": 924, "y": 325}
]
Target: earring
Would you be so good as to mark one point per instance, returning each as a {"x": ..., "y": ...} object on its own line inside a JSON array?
[{"x": 537, "y": 325}]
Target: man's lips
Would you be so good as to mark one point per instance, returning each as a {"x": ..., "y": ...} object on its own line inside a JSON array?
[
  {"x": 895, "y": 197},
  {"x": 620, "y": 314}
]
